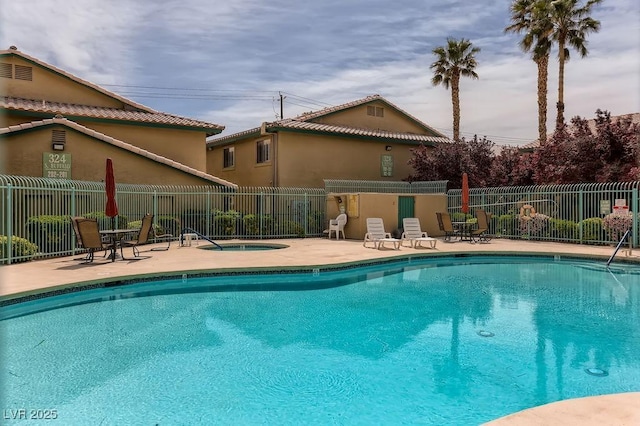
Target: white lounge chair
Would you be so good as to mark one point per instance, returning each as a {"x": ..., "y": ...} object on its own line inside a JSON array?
[
  {"x": 414, "y": 234},
  {"x": 337, "y": 225},
  {"x": 377, "y": 235}
]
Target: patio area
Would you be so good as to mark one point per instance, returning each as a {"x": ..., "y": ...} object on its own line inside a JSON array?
[{"x": 35, "y": 276}]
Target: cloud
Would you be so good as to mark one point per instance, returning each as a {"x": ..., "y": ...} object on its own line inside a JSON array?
[{"x": 226, "y": 63}]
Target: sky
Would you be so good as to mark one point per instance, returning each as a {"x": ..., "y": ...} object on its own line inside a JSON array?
[{"x": 229, "y": 62}]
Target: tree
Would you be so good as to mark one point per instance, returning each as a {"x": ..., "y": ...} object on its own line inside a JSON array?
[
  {"x": 448, "y": 161},
  {"x": 570, "y": 25},
  {"x": 455, "y": 59},
  {"x": 531, "y": 17}
]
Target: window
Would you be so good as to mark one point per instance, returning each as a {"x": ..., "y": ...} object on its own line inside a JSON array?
[
  {"x": 24, "y": 73},
  {"x": 263, "y": 151},
  {"x": 229, "y": 159},
  {"x": 375, "y": 111},
  {"x": 6, "y": 70}
]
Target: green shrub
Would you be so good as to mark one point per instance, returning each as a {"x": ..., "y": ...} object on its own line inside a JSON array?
[
  {"x": 507, "y": 224},
  {"x": 592, "y": 229},
  {"x": 461, "y": 217},
  {"x": 290, "y": 227},
  {"x": 168, "y": 225},
  {"x": 50, "y": 233},
  {"x": 225, "y": 223},
  {"x": 257, "y": 224},
  {"x": 105, "y": 222},
  {"x": 21, "y": 248},
  {"x": 564, "y": 229}
]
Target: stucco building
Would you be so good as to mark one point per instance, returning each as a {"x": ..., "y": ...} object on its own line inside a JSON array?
[
  {"x": 56, "y": 125},
  {"x": 367, "y": 139}
]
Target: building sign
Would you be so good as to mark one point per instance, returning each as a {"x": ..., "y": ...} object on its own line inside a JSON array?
[
  {"x": 386, "y": 165},
  {"x": 56, "y": 165}
]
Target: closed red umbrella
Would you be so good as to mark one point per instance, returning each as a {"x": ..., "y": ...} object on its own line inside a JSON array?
[
  {"x": 111, "y": 209},
  {"x": 465, "y": 193}
]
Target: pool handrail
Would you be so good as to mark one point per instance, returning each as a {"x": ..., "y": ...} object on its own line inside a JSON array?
[
  {"x": 188, "y": 230},
  {"x": 618, "y": 246}
]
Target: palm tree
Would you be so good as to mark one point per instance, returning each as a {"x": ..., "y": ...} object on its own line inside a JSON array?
[
  {"x": 532, "y": 18},
  {"x": 455, "y": 59},
  {"x": 570, "y": 25}
]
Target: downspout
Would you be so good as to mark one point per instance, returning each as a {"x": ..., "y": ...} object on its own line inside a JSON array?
[{"x": 274, "y": 139}]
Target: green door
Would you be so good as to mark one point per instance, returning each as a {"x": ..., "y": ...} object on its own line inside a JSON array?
[{"x": 405, "y": 208}]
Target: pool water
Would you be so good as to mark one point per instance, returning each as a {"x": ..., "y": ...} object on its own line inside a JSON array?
[{"x": 445, "y": 341}]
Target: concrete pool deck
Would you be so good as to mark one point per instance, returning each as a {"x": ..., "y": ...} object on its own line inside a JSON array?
[{"x": 36, "y": 276}]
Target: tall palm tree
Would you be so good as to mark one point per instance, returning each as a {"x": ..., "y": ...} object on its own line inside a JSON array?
[
  {"x": 571, "y": 24},
  {"x": 455, "y": 59},
  {"x": 531, "y": 17}
]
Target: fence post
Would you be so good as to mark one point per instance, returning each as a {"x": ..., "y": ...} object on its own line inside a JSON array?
[
  {"x": 9, "y": 224},
  {"x": 635, "y": 219},
  {"x": 306, "y": 213},
  {"x": 580, "y": 213},
  {"x": 209, "y": 230}
]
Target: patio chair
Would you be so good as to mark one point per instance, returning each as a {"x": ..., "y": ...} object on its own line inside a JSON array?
[
  {"x": 337, "y": 225},
  {"x": 414, "y": 234},
  {"x": 481, "y": 232},
  {"x": 142, "y": 238},
  {"x": 89, "y": 235},
  {"x": 378, "y": 236},
  {"x": 444, "y": 219}
]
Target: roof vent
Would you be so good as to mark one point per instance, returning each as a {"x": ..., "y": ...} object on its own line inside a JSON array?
[{"x": 13, "y": 48}]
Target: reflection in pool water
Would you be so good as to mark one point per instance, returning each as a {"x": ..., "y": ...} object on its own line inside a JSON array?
[{"x": 445, "y": 341}]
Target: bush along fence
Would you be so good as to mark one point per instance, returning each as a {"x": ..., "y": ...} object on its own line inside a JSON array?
[
  {"x": 579, "y": 213},
  {"x": 36, "y": 213}
]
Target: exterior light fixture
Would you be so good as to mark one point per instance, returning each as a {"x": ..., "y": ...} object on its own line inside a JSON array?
[
  {"x": 58, "y": 146},
  {"x": 387, "y": 148}
]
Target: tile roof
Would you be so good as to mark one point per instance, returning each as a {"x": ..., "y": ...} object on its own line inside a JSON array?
[
  {"x": 151, "y": 116},
  {"x": 635, "y": 118},
  {"x": 118, "y": 143},
  {"x": 348, "y": 130},
  {"x": 74, "y": 110},
  {"x": 304, "y": 122},
  {"x": 330, "y": 110}
]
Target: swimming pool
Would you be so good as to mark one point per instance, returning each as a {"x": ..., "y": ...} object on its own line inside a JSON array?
[{"x": 435, "y": 341}]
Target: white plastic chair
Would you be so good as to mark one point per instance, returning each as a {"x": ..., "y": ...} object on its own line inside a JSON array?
[
  {"x": 414, "y": 234},
  {"x": 377, "y": 235},
  {"x": 337, "y": 225}
]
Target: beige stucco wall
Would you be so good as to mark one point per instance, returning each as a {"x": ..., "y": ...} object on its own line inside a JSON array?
[
  {"x": 385, "y": 206},
  {"x": 246, "y": 172},
  {"x": 184, "y": 146},
  {"x": 392, "y": 121},
  {"x": 23, "y": 156},
  {"x": 305, "y": 160},
  {"x": 53, "y": 87}
]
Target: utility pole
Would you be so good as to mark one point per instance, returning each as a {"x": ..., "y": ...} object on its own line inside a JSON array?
[{"x": 281, "y": 105}]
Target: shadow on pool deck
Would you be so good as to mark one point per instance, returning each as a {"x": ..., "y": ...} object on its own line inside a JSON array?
[{"x": 34, "y": 276}]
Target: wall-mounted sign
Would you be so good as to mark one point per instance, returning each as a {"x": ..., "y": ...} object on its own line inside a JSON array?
[
  {"x": 56, "y": 165},
  {"x": 605, "y": 207},
  {"x": 386, "y": 165}
]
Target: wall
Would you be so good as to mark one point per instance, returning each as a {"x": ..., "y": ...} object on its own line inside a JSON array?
[
  {"x": 184, "y": 146},
  {"x": 246, "y": 171},
  {"x": 305, "y": 160},
  {"x": 392, "y": 121},
  {"x": 386, "y": 207},
  {"x": 53, "y": 87},
  {"x": 24, "y": 154}
]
